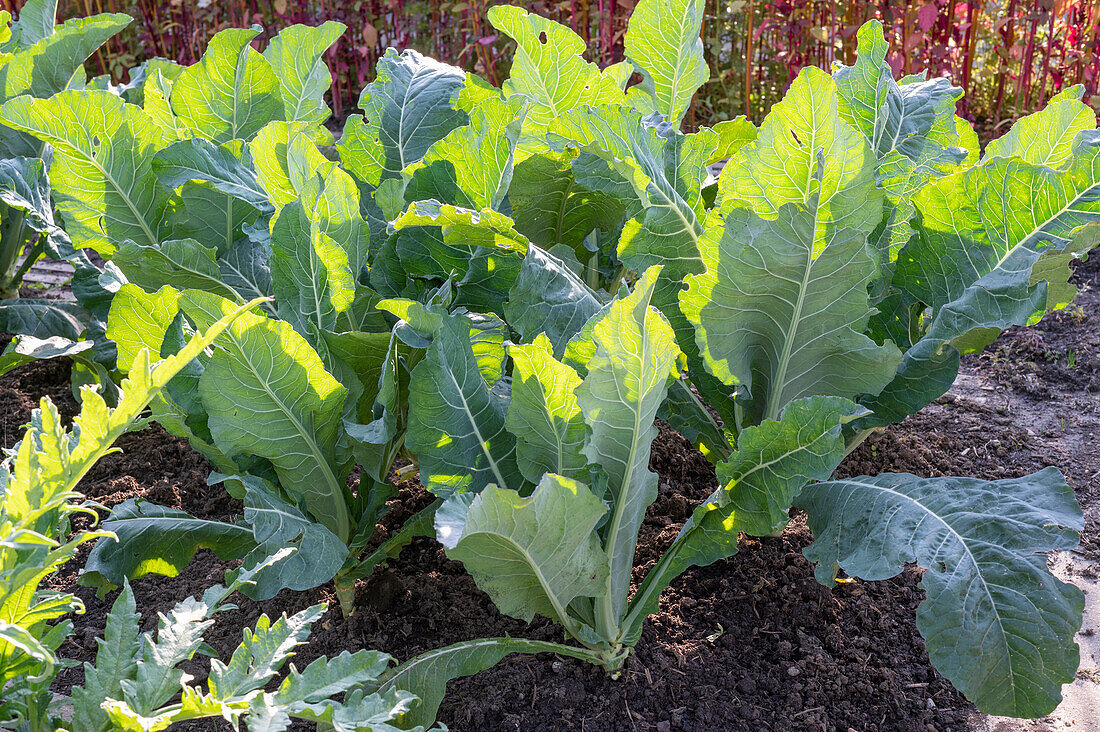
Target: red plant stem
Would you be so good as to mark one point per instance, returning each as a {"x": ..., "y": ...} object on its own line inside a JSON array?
[
  {"x": 749, "y": 62},
  {"x": 1002, "y": 62},
  {"x": 1095, "y": 46},
  {"x": 1023, "y": 83},
  {"x": 973, "y": 8},
  {"x": 905, "y": 37},
  {"x": 948, "y": 35}
]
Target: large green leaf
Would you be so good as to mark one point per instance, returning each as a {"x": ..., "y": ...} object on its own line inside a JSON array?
[
  {"x": 296, "y": 56},
  {"x": 103, "y": 180},
  {"x": 996, "y": 623},
  {"x": 462, "y": 230},
  {"x": 406, "y": 110},
  {"x": 154, "y": 539},
  {"x": 368, "y": 355},
  {"x": 155, "y": 92},
  {"x": 1046, "y": 137},
  {"x": 904, "y": 118},
  {"x": 657, "y": 173},
  {"x": 24, "y": 349},
  {"x": 332, "y": 202},
  {"x": 139, "y": 319},
  {"x": 313, "y": 282},
  {"x": 927, "y": 370},
  {"x": 291, "y": 168},
  {"x": 285, "y": 159},
  {"x": 547, "y": 297},
  {"x": 24, "y": 185},
  {"x": 532, "y": 555},
  {"x": 723, "y": 140},
  {"x": 662, "y": 41},
  {"x": 277, "y": 524},
  {"x": 550, "y": 208},
  {"x": 983, "y": 230},
  {"x": 456, "y": 424},
  {"x": 47, "y": 66},
  {"x": 548, "y": 69},
  {"x": 772, "y": 463},
  {"x": 36, "y": 21},
  {"x": 628, "y": 375},
  {"x": 993, "y": 247},
  {"x": 911, "y": 127},
  {"x": 634, "y": 159},
  {"x": 183, "y": 264},
  {"x": 199, "y": 211},
  {"x": 775, "y": 459},
  {"x": 472, "y": 166},
  {"x": 781, "y": 308},
  {"x": 781, "y": 165},
  {"x": 479, "y": 249},
  {"x": 268, "y": 395},
  {"x": 42, "y": 318},
  {"x": 198, "y": 159},
  {"x": 246, "y": 268},
  {"x": 543, "y": 414},
  {"x": 231, "y": 92}
]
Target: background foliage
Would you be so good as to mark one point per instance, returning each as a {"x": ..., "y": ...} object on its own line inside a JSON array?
[{"x": 1008, "y": 55}]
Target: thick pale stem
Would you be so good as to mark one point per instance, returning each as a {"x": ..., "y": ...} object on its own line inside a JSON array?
[
  {"x": 345, "y": 593},
  {"x": 33, "y": 255},
  {"x": 12, "y": 239}
]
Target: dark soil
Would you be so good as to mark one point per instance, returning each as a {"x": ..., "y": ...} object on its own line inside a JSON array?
[{"x": 749, "y": 643}]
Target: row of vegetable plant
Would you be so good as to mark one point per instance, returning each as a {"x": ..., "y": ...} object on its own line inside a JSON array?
[{"x": 501, "y": 289}]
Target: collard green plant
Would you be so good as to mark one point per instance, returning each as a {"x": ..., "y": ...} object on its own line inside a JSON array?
[
  {"x": 856, "y": 245},
  {"x": 37, "y": 496},
  {"x": 238, "y": 208}
]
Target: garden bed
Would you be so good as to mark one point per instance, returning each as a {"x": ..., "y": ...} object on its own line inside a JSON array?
[{"x": 752, "y": 642}]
